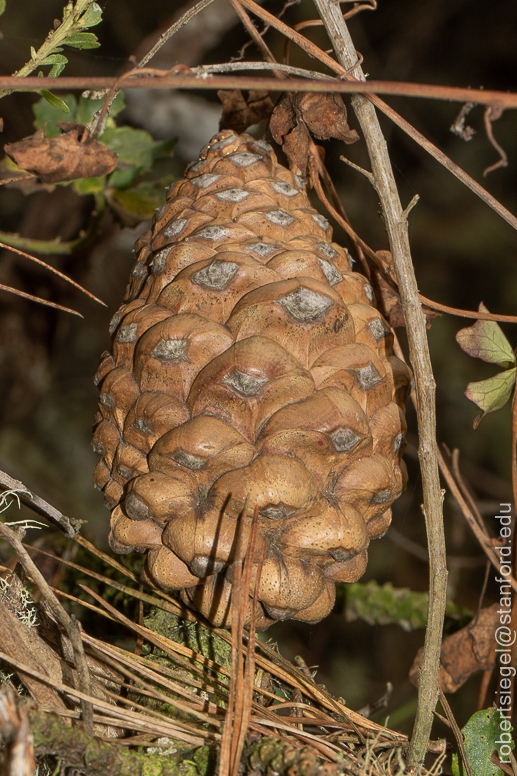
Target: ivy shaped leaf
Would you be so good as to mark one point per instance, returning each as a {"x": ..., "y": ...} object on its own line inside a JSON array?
[
  {"x": 482, "y": 734},
  {"x": 492, "y": 394},
  {"x": 486, "y": 340}
]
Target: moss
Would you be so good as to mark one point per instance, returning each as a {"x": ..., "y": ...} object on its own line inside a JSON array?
[
  {"x": 193, "y": 635},
  {"x": 76, "y": 750}
]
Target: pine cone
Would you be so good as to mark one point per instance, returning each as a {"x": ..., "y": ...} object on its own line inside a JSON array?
[{"x": 249, "y": 365}]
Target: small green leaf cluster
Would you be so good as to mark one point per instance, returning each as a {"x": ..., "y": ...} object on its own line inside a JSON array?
[
  {"x": 78, "y": 17},
  {"x": 481, "y": 733},
  {"x": 137, "y": 153},
  {"x": 486, "y": 340}
]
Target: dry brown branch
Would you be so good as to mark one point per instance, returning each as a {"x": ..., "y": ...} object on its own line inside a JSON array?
[
  {"x": 397, "y": 228},
  {"x": 39, "y": 505},
  {"x": 70, "y": 625},
  {"x": 491, "y": 97},
  {"x": 317, "y": 53}
]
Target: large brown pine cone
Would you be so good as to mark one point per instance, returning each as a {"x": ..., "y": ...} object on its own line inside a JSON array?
[{"x": 249, "y": 362}]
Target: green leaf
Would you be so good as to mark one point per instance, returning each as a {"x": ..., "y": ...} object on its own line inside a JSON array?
[
  {"x": 492, "y": 394},
  {"x": 55, "y": 71},
  {"x": 87, "y": 108},
  {"x": 118, "y": 104},
  {"x": 82, "y": 40},
  {"x": 49, "y": 114},
  {"x": 2, "y": 6},
  {"x": 58, "y": 62},
  {"x": 139, "y": 202},
  {"x": 85, "y": 186},
  {"x": 54, "y": 59},
  {"x": 135, "y": 146},
  {"x": 486, "y": 340},
  {"x": 56, "y": 102},
  {"x": 92, "y": 16},
  {"x": 136, "y": 150},
  {"x": 385, "y": 604},
  {"x": 484, "y": 734}
]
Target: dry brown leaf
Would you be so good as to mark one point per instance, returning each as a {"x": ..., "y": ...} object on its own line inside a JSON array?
[
  {"x": 72, "y": 154},
  {"x": 465, "y": 652},
  {"x": 298, "y": 116},
  {"x": 240, "y": 112}
]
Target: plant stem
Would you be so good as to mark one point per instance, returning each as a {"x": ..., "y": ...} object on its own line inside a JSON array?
[
  {"x": 54, "y": 39},
  {"x": 397, "y": 229}
]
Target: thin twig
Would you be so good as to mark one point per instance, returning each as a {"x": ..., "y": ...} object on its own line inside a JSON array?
[
  {"x": 259, "y": 41},
  {"x": 479, "y": 532},
  {"x": 467, "y": 313},
  {"x": 173, "y": 29},
  {"x": 504, "y": 100},
  {"x": 96, "y": 124},
  {"x": 51, "y": 269},
  {"x": 497, "y": 100},
  {"x": 345, "y": 73},
  {"x": 39, "y": 505},
  {"x": 464, "y": 489},
  {"x": 38, "y": 300},
  {"x": 397, "y": 228},
  {"x": 457, "y": 732},
  {"x": 69, "y": 624},
  {"x": 503, "y": 160},
  {"x": 229, "y": 67}
]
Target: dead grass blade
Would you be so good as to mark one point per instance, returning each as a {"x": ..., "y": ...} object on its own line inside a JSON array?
[{"x": 158, "y": 725}]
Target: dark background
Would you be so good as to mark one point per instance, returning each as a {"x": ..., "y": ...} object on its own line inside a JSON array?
[{"x": 463, "y": 254}]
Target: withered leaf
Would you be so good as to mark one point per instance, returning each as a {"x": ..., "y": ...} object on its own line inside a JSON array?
[
  {"x": 72, "y": 154},
  {"x": 240, "y": 112},
  {"x": 387, "y": 295},
  {"x": 297, "y": 116},
  {"x": 325, "y": 116},
  {"x": 466, "y": 651}
]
